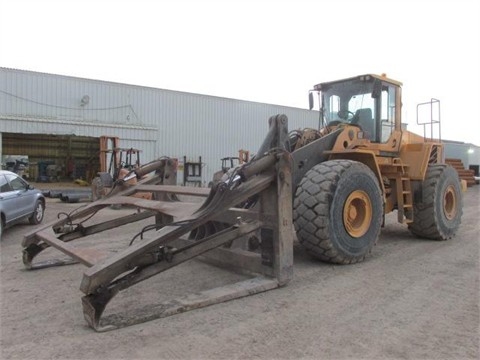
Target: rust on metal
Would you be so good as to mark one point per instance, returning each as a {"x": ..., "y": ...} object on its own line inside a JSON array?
[{"x": 256, "y": 198}]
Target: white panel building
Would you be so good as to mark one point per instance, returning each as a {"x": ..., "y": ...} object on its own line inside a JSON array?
[{"x": 51, "y": 118}]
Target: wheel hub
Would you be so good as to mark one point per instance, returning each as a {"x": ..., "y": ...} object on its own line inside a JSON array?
[
  {"x": 450, "y": 203},
  {"x": 357, "y": 213}
]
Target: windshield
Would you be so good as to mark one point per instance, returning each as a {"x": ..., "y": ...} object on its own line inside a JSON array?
[
  {"x": 344, "y": 101},
  {"x": 365, "y": 102}
]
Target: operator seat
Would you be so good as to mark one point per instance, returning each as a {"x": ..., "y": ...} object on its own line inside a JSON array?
[{"x": 364, "y": 118}]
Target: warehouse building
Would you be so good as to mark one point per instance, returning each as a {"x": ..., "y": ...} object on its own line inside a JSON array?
[
  {"x": 467, "y": 157},
  {"x": 58, "y": 123}
]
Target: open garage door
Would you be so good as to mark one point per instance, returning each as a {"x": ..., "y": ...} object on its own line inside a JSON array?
[{"x": 51, "y": 157}]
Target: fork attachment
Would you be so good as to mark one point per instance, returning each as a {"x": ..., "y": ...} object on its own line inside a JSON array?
[{"x": 253, "y": 202}]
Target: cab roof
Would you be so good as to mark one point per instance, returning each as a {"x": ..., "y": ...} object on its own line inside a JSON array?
[{"x": 382, "y": 77}]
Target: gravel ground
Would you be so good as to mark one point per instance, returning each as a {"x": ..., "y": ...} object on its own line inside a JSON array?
[{"x": 411, "y": 299}]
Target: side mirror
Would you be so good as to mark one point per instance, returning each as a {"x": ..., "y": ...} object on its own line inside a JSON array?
[{"x": 310, "y": 100}]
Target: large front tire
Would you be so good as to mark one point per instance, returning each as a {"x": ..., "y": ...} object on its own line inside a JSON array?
[
  {"x": 437, "y": 215},
  {"x": 338, "y": 211}
]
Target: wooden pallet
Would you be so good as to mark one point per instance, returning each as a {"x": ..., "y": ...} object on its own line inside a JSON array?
[{"x": 463, "y": 173}]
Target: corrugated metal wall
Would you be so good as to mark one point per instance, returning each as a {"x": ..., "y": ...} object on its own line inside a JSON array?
[{"x": 160, "y": 122}]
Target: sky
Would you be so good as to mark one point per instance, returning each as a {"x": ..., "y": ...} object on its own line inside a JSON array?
[{"x": 264, "y": 51}]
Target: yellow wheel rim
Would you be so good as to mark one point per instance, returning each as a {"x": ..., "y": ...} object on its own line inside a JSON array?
[
  {"x": 450, "y": 203},
  {"x": 357, "y": 213}
]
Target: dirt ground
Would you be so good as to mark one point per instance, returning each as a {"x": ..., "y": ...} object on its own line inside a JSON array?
[{"x": 411, "y": 299}]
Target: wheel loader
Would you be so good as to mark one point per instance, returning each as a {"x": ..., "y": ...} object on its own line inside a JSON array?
[
  {"x": 228, "y": 163},
  {"x": 327, "y": 188},
  {"x": 121, "y": 162}
]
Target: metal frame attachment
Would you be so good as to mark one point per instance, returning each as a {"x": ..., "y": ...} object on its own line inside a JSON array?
[{"x": 255, "y": 199}]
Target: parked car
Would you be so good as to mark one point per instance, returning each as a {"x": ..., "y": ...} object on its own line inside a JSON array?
[{"x": 19, "y": 200}]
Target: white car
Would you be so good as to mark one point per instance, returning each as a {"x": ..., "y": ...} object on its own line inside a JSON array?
[{"x": 19, "y": 200}]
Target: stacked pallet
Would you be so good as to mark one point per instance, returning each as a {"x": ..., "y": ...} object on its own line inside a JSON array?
[{"x": 464, "y": 174}]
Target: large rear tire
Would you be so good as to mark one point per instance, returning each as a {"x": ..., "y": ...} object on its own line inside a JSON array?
[
  {"x": 438, "y": 214},
  {"x": 338, "y": 211}
]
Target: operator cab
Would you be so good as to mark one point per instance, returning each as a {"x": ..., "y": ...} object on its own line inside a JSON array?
[{"x": 370, "y": 102}]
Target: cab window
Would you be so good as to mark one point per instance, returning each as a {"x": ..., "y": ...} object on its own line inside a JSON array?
[
  {"x": 387, "y": 112},
  {"x": 334, "y": 107}
]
